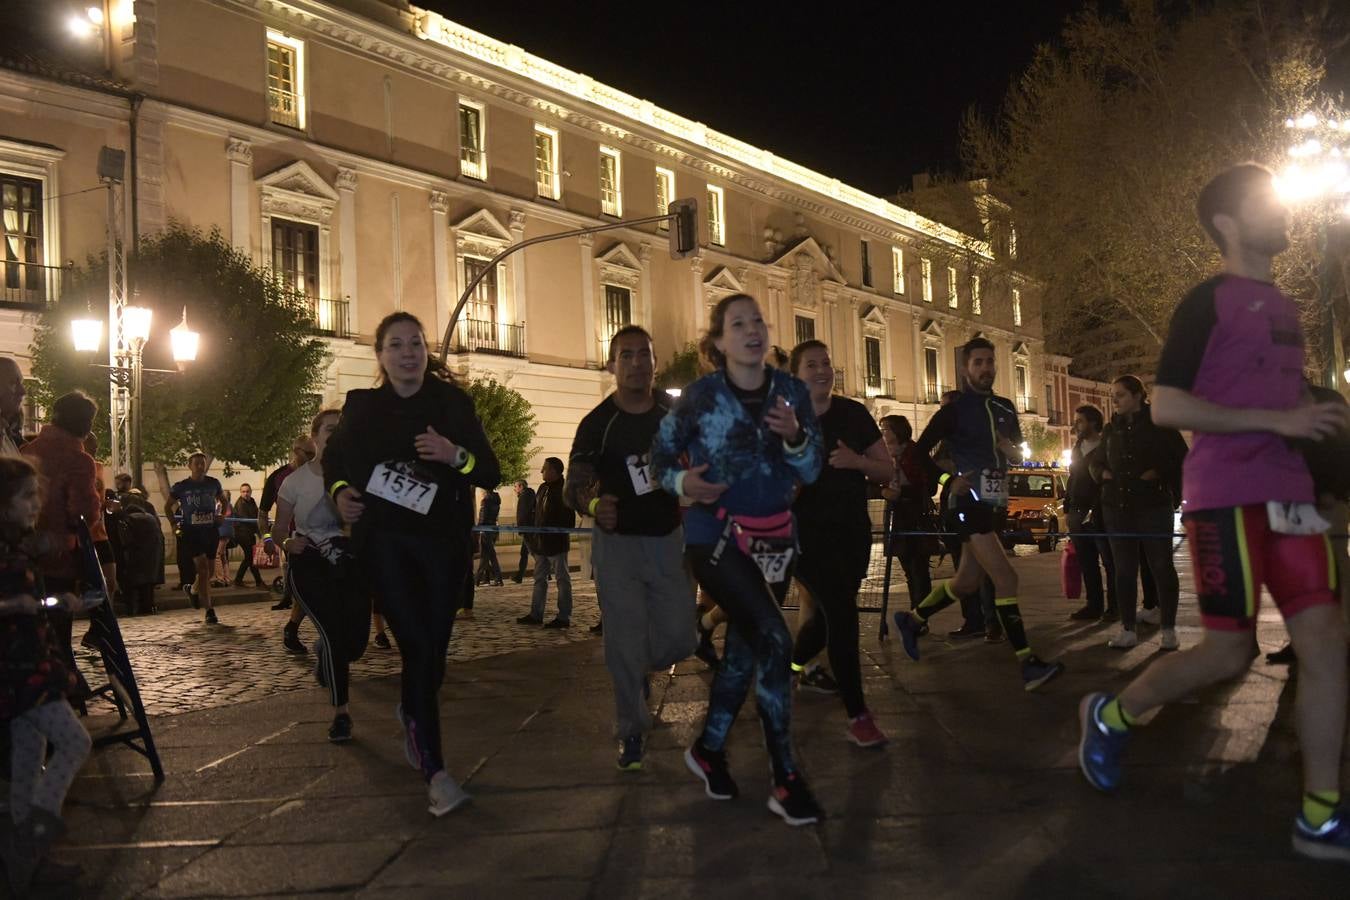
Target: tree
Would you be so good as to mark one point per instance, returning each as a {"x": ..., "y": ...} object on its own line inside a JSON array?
[
  {"x": 1103, "y": 143},
  {"x": 509, "y": 423},
  {"x": 1044, "y": 444},
  {"x": 683, "y": 369},
  {"x": 255, "y": 382}
]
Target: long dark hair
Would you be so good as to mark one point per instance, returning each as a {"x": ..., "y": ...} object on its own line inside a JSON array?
[
  {"x": 716, "y": 328},
  {"x": 434, "y": 366}
]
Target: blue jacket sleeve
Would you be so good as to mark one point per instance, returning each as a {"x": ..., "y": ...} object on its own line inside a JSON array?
[
  {"x": 672, "y": 440},
  {"x": 807, "y": 461}
]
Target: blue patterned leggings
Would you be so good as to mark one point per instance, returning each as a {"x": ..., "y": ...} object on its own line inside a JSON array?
[{"x": 758, "y": 647}]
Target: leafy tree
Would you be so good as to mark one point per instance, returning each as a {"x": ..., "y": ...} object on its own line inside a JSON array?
[
  {"x": 1043, "y": 443},
  {"x": 1103, "y": 143},
  {"x": 509, "y": 423},
  {"x": 684, "y": 368},
  {"x": 253, "y": 386}
]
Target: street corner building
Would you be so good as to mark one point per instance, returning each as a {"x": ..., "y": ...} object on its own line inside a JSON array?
[{"x": 377, "y": 156}]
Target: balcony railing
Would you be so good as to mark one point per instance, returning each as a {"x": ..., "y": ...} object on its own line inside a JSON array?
[
  {"x": 840, "y": 383},
  {"x": 482, "y": 336},
  {"x": 285, "y": 106},
  {"x": 328, "y": 317},
  {"x": 932, "y": 393},
  {"x": 29, "y": 285},
  {"x": 1026, "y": 405},
  {"x": 1056, "y": 417},
  {"x": 880, "y": 387}
]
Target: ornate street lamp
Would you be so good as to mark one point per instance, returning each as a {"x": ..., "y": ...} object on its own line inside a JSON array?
[
  {"x": 88, "y": 335},
  {"x": 184, "y": 341}
]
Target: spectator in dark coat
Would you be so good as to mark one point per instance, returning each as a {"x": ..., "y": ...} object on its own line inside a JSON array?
[
  {"x": 524, "y": 517},
  {"x": 1083, "y": 509},
  {"x": 550, "y": 550},
  {"x": 489, "y": 570},
  {"x": 246, "y": 535}
]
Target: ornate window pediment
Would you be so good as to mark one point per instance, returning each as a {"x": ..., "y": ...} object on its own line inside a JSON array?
[
  {"x": 1020, "y": 349},
  {"x": 297, "y": 191},
  {"x": 481, "y": 234},
  {"x": 723, "y": 282},
  {"x": 873, "y": 320},
  {"x": 932, "y": 329},
  {"x": 620, "y": 266}
]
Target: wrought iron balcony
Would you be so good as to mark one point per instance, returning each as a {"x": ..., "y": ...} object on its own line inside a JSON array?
[
  {"x": 285, "y": 107},
  {"x": 840, "y": 383},
  {"x": 481, "y": 336},
  {"x": 880, "y": 387},
  {"x": 1026, "y": 405},
  {"x": 328, "y": 317},
  {"x": 932, "y": 393},
  {"x": 29, "y": 285}
]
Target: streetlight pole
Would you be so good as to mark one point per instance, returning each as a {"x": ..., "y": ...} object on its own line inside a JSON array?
[{"x": 1316, "y": 172}]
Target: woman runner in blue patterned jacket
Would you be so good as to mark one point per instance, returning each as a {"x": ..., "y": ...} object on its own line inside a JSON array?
[{"x": 738, "y": 443}]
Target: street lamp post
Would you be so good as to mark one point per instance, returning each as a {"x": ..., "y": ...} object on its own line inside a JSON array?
[
  {"x": 1317, "y": 172},
  {"x": 129, "y": 371}
]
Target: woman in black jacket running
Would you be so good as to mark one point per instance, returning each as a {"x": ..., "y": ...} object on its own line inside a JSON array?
[{"x": 402, "y": 467}]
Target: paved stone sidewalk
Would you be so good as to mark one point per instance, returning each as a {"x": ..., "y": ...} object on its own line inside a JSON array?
[
  {"x": 977, "y": 795},
  {"x": 183, "y": 664}
]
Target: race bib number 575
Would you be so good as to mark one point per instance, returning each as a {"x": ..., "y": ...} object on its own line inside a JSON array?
[{"x": 401, "y": 488}]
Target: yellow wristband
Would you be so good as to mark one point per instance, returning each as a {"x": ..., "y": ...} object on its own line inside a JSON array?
[
  {"x": 469, "y": 462},
  {"x": 337, "y": 486},
  {"x": 592, "y": 506},
  {"x": 944, "y": 478}
]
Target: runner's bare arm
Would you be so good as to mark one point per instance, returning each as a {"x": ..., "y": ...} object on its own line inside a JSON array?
[{"x": 1175, "y": 408}]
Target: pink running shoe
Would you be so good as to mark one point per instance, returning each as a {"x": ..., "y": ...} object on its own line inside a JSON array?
[{"x": 864, "y": 732}]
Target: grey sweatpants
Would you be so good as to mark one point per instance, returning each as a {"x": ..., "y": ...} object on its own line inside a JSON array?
[
  {"x": 647, "y": 604},
  {"x": 30, "y": 783}
]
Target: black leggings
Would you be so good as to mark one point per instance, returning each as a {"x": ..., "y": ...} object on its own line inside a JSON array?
[
  {"x": 758, "y": 647},
  {"x": 418, "y": 580},
  {"x": 335, "y": 600},
  {"x": 833, "y": 585}
]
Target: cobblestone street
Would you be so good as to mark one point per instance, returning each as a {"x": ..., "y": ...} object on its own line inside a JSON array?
[{"x": 183, "y": 664}]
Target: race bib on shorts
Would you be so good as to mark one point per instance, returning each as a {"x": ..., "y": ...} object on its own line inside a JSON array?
[
  {"x": 774, "y": 565},
  {"x": 203, "y": 518},
  {"x": 1295, "y": 518},
  {"x": 992, "y": 485},
  {"x": 401, "y": 488}
]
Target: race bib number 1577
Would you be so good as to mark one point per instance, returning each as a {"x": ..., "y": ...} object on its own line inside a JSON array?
[{"x": 401, "y": 488}]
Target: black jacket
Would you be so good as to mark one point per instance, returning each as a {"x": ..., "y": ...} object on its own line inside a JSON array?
[
  {"x": 379, "y": 426},
  {"x": 1131, "y": 446},
  {"x": 246, "y": 508},
  {"x": 489, "y": 508},
  {"x": 525, "y": 507},
  {"x": 1328, "y": 458},
  {"x": 552, "y": 510},
  {"x": 1082, "y": 494}
]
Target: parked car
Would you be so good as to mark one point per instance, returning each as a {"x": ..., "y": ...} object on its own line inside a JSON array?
[{"x": 1035, "y": 506}]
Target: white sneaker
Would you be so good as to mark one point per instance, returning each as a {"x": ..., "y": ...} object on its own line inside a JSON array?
[
  {"x": 1124, "y": 640},
  {"x": 445, "y": 795},
  {"x": 1150, "y": 616},
  {"x": 1169, "y": 639}
]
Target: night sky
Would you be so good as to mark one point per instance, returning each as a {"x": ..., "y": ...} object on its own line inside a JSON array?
[{"x": 870, "y": 93}]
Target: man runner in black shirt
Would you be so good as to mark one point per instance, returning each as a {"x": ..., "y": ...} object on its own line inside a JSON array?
[{"x": 646, "y": 596}]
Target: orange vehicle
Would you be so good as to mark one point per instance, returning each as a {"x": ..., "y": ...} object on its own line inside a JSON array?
[{"x": 1035, "y": 505}]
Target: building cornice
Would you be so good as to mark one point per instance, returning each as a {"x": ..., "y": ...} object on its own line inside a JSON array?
[
  {"x": 450, "y": 52},
  {"x": 32, "y": 88}
]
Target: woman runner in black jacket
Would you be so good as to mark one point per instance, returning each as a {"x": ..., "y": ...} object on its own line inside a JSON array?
[{"x": 402, "y": 467}]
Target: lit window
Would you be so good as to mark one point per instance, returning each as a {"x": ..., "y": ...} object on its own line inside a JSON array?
[
  {"x": 611, "y": 175},
  {"x": 975, "y": 294},
  {"x": 1017, "y": 307},
  {"x": 872, "y": 366},
  {"x": 546, "y": 161},
  {"x": 472, "y": 140},
  {"x": 805, "y": 327},
  {"x": 716, "y": 216},
  {"x": 926, "y": 276},
  {"x": 897, "y": 270},
  {"x": 618, "y": 313},
  {"x": 866, "y": 265},
  {"x": 23, "y": 277},
  {"x": 286, "y": 79},
  {"x": 932, "y": 375},
  {"x": 1012, "y": 241},
  {"x": 953, "y": 299},
  {"x": 665, "y": 193}
]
